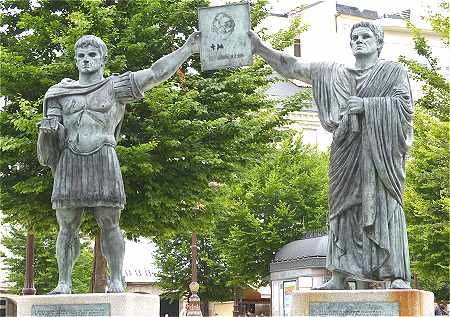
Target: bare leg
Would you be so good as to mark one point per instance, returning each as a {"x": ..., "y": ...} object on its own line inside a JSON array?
[
  {"x": 67, "y": 247},
  {"x": 113, "y": 245},
  {"x": 337, "y": 282}
]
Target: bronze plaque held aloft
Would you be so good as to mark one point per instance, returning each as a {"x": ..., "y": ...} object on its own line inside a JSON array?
[{"x": 224, "y": 41}]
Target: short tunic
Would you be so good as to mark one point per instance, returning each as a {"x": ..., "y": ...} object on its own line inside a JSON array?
[
  {"x": 88, "y": 180},
  {"x": 88, "y": 171}
]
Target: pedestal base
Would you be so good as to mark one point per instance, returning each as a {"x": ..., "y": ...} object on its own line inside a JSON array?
[
  {"x": 123, "y": 304},
  {"x": 363, "y": 303}
]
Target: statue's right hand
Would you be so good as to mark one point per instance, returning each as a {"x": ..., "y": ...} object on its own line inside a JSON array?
[
  {"x": 49, "y": 125},
  {"x": 256, "y": 41},
  {"x": 193, "y": 42}
]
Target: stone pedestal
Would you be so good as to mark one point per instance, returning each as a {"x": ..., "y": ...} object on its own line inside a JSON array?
[
  {"x": 124, "y": 304},
  {"x": 363, "y": 303}
]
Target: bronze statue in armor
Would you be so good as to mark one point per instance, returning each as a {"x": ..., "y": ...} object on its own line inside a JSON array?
[{"x": 77, "y": 140}]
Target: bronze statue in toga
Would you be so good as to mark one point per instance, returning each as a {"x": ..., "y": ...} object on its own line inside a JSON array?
[{"x": 368, "y": 108}]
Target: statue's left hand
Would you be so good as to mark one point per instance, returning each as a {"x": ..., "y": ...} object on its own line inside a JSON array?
[
  {"x": 193, "y": 42},
  {"x": 355, "y": 105},
  {"x": 48, "y": 125}
]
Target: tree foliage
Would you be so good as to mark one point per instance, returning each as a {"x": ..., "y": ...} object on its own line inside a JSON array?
[
  {"x": 273, "y": 203},
  {"x": 261, "y": 209},
  {"x": 283, "y": 38},
  {"x": 187, "y": 132},
  {"x": 183, "y": 135},
  {"x": 427, "y": 202},
  {"x": 440, "y": 21},
  {"x": 435, "y": 87},
  {"x": 221, "y": 240},
  {"x": 45, "y": 269},
  {"x": 174, "y": 261}
]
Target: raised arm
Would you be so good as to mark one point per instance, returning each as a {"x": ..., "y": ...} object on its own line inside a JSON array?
[
  {"x": 167, "y": 65},
  {"x": 287, "y": 66}
]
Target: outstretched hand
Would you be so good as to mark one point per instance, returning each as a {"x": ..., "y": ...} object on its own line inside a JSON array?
[
  {"x": 256, "y": 41},
  {"x": 193, "y": 42}
]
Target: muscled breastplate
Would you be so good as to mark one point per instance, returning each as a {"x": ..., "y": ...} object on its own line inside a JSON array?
[{"x": 90, "y": 120}]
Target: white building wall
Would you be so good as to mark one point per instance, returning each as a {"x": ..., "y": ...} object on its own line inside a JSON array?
[
  {"x": 273, "y": 24},
  {"x": 308, "y": 124},
  {"x": 319, "y": 42},
  {"x": 399, "y": 41},
  {"x": 327, "y": 39},
  {"x": 139, "y": 267}
]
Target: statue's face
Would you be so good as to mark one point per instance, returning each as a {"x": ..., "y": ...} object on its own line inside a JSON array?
[
  {"x": 363, "y": 42},
  {"x": 88, "y": 59}
]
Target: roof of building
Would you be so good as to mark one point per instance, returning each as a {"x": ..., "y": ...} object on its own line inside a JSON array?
[
  {"x": 354, "y": 11},
  {"x": 311, "y": 247},
  {"x": 281, "y": 89},
  {"x": 371, "y": 14},
  {"x": 405, "y": 14},
  {"x": 304, "y": 253}
]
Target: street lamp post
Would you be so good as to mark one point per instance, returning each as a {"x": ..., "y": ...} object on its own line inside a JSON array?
[{"x": 194, "y": 299}]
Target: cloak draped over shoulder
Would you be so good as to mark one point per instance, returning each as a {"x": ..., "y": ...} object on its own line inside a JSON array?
[
  {"x": 81, "y": 153},
  {"x": 367, "y": 237},
  {"x": 50, "y": 146}
]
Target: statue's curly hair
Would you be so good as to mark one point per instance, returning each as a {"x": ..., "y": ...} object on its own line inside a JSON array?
[{"x": 377, "y": 30}]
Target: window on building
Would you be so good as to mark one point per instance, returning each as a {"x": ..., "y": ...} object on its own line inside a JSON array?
[
  {"x": 297, "y": 48},
  {"x": 288, "y": 293}
]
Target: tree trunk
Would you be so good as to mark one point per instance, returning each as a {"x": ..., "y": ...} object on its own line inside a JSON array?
[
  {"x": 204, "y": 307},
  {"x": 99, "y": 268},
  {"x": 28, "y": 288}
]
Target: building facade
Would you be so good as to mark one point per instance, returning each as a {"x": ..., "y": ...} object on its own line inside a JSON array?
[{"x": 327, "y": 39}]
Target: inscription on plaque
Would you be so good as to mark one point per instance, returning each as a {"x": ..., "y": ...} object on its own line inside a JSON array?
[
  {"x": 354, "y": 309},
  {"x": 72, "y": 310},
  {"x": 224, "y": 40}
]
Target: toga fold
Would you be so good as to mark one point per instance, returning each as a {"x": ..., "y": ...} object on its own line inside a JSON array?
[{"x": 367, "y": 234}]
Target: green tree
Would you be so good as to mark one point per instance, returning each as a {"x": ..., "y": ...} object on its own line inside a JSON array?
[
  {"x": 273, "y": 203},
  {"x": 186, "y": 132},
  {"x": 258, "y": 211},
  {"x": 174, "y": 262},
  {"x": 216, "y": 278},
  {"x": 427, "y": 202},
  {"x": 183, "y": 135},
  {"x": 45, "y": 270}
]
